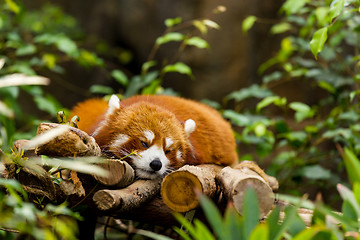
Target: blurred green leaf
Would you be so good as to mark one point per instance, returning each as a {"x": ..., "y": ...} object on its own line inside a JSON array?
[
  {"x": 352, "y": 165},
  {"x": 278, "y": 101},
  {"x": 170, "y": 22},
  {"x": 293, "y": 6},
  {"x": 197, "y": 42},
  {"x": 318, "y": 40},
  {"x": 101, "y": 89},
  {"x": 315, "y": 172},
  {"x": 13, "y": 6},
  {"x": 27, "y": 49},
  {"x": 170, "y": 37},
  {"x": 336, "y": 8},
  {"x": 280, "y": 28},
  {"x": 178, "y": 67},
  {"x": 213, "y": 216},
  {"x": 120, "y": 77},
  {"x": 261, "y": 231},
  {"x": 252, "y": 91},
  {"x": 250, "y": 211},
  {"x": 248, "y": 23}
]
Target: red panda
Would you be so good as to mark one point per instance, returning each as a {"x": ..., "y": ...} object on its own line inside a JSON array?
[{"x": 166, "y": 132}]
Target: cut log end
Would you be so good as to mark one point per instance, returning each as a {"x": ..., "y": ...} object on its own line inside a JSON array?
[
  {"x": 178, "y": 191},
  {"x": 105, "y": 200},
  {"x": 264, "y": 194}
]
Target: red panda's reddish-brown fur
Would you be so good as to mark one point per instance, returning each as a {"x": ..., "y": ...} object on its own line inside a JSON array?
[{"x": 211, "y": 142}]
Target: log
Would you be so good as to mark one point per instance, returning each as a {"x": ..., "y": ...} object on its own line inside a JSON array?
[
  {"x": 234, "y": 182},
  {"x": 19, "y": 145},
  {"x": 73, "y": 142},
  {"x": 127, "y": 198},
  {"x": 273, "y": 183},
  {"x": 178, "y": 188},
  {"x": 120, "y": 173}
]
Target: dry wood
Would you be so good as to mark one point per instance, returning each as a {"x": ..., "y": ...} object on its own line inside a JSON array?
[
  {"x": 127, "y": 198},
  {"x": 19, "y": 144},
  {"x": 36, "y": 182},
  {"x": 178, "y": 188},
  {"x": 234, "y": 182},
  {"x": 73, "y": 142},
  {"x": 273, "y": 183},
  {"x": 120, "y": 173},
  {"x": 155, "y": 212}
]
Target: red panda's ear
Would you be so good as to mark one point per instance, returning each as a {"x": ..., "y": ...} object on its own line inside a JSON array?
[
  {"x": 114, "y": 104},
  {"x": 189, "y": 126}
]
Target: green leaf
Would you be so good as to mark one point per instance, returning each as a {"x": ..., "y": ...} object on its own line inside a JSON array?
[
  {"x": 211, "y": 24},
  {"x": 213, "y": 216},
  {"x": 170, "y": 22},
  {"x": 67, "y": 46},
  {"x": 280, "y": 28},
  {"x": 197, "y": 42},
  {"x": 13, "y": 6},
  {"x": 293, "y": 6},
  {"x": 336, "y": 8},
  {"x": 278, "y": 101},
  {"x": 347, "y": 195},
  {"x": 101, "y": 89},
  {"x": 309, "y": 233},
  {"x": 248, "y": 23},
  {"x": 250, "y": 211},
  {"x": 303, "y": 111},
  {"x": 318, "y": 40},
  {"x": 261, "y": 231},
  {"x": 170, "y": 37},
  {"x": 352, "y": 165},
  {"x": 120, "y": 77},
  {"x": 178, "y": 67},
  {"x": 252, "y": 91},
  {"x": 200, "y": 25},
  {"x": 146, "y": 66},
  {"x": 27, "y": 49},
  {"x": 315, "y": 172}
]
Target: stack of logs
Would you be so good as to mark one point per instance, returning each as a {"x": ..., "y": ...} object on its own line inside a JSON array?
[{"x": 121, "y": 195}]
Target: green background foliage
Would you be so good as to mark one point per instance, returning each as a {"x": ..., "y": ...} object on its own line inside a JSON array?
[{"x": 309, "y": 146}]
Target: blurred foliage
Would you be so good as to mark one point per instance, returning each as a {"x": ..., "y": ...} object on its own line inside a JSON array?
[
  {"x": 31, "y": 42},
  {"x": 320, "y": 51},
  {"x": 305, "y": 143}
]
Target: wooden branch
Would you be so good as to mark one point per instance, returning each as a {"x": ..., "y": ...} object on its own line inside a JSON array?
[
  {"x": 72, "y": 143},
  {"x": 155, "y": 212},
  {"x": 127, "y": 198},
  {"x": 234, "y": 182},
  {"x": 178, "y": 188},
  {"x": 120, "y": 173}
]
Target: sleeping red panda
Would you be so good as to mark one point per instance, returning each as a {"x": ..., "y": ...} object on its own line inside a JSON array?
[{"x": 166, "y": 132}]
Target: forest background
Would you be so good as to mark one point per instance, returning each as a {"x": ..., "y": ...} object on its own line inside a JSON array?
[{"x": 285, "y": 74}]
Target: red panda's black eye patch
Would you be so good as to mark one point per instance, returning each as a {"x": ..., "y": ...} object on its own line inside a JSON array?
[
  {"x": 144, "y": 144},
  {"x": 167, "y": 151}
]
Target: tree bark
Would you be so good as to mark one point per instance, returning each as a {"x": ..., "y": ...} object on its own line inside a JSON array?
[{"x": 128, "y": 198}]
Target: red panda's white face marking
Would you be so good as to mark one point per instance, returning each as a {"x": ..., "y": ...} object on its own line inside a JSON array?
[{"x": 149, "y": 135}]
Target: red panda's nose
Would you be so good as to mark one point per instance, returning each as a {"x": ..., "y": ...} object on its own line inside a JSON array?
[{"x": 156, "y": 164}]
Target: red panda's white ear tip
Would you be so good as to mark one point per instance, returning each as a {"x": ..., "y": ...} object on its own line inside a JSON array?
[
  {"x": 114, "y": 102},
  {"x": 189, "y": 126}
]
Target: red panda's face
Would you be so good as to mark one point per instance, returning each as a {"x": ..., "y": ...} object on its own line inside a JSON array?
[
  {"x": 152, "y": 140},
  {"x": 150, "y": 154}
]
